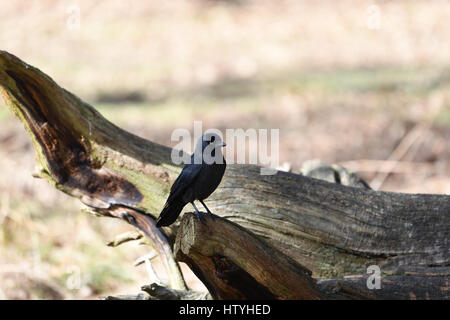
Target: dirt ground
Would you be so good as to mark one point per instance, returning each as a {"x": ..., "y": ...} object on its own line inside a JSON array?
[{"x": 362, "y": 83}]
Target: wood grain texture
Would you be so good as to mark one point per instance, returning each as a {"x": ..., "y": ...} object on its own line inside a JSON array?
[{"x": 235, "y": 264}]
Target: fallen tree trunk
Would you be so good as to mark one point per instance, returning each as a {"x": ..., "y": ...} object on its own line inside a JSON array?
[
  {"x": 235, "y": 264},
  {"x": 331, "y": 229}
]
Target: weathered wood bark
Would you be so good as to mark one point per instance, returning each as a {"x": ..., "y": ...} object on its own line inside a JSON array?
[
  {"x": 233, "y": 263},
  {"x": 331, "y": 229},
  {"x": 157, "y": 292}
]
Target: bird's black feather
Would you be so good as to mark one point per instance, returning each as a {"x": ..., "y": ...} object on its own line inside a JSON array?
[
  {"x": 195, "y": 182},
  {"x": 186, "y": 177},
  {"x": 170, "y": 212}
]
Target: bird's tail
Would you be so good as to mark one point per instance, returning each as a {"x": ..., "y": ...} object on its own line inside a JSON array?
[{"x": 170, "y": 213}]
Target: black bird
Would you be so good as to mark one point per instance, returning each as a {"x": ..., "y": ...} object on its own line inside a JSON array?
[{"x": 197, "y": 180}]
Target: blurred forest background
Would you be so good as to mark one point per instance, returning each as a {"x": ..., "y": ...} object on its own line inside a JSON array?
[{"x": 350, "y": 82}]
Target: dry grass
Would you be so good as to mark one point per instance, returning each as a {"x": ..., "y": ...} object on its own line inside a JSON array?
[{"x": 338, "y": 90}]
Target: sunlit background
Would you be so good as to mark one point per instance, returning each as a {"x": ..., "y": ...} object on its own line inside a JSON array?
[{"x": 365, "y": 84}]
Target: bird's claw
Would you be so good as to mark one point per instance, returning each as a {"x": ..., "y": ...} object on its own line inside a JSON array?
[
  {"x": 212, "y": 216},
  {"x": 200, "y": 217}
]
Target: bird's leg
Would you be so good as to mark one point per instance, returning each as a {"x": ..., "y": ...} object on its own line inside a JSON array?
[
  {"x": 207, "y": 210},
  {"x": 198, "y": 214}
]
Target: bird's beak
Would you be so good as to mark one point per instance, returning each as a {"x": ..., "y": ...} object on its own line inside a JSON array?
[{"x": 222, "y": 144}]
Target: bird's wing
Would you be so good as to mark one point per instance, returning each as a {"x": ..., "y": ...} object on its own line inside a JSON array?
[{"x": 184, "y": 180}]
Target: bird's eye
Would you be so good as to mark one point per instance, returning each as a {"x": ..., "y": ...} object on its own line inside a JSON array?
[{"x": 213, "y": 139}]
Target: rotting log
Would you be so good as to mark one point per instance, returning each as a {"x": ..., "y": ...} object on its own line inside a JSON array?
[
  {"x": 331, "y": 229},
  {"x": 233, "y": 263}
]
